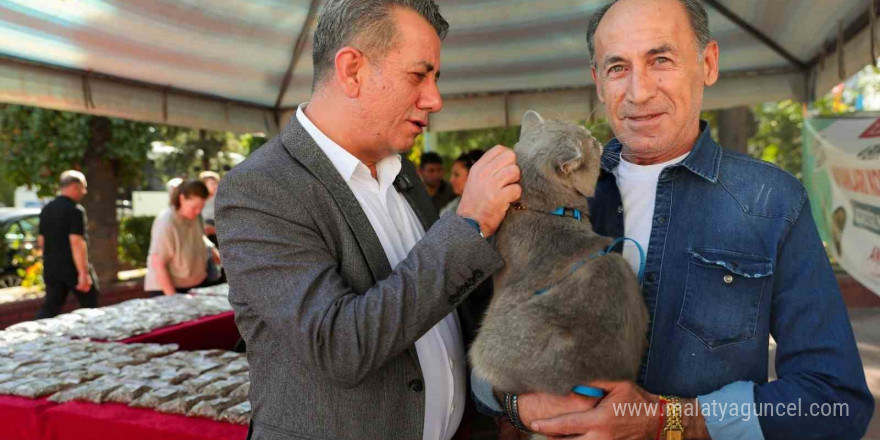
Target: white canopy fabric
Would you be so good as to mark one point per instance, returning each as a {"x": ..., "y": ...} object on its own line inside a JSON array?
[{"x": 242, "y": 65}]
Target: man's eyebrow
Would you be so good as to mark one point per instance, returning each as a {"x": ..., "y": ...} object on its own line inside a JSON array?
[
  {"x": 611, "y": 59},
  {"x": 428, "y": 66},
  {"x": 665, "y": 48}
]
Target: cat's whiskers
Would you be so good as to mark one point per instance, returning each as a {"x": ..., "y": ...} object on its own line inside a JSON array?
[{"x": 593, "y": 112}]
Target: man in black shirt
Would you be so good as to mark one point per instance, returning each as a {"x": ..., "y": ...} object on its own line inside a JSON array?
[{"x": 64, "y": 241}]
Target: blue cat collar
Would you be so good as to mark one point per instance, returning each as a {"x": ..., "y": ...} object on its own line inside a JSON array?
[
  {"x": 562, "y": 211},
  {"x": 586, "y": 391}
]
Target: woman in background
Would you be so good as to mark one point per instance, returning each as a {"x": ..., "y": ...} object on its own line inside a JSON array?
[
  {"x": 460, "y": 169},
  {"x": 176, "y": 261}
]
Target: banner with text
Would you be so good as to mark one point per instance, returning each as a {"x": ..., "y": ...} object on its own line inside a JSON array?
[{"x": 842, "y": 175}]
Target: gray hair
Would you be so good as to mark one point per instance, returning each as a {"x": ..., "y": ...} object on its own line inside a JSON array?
[
  {"x": 696, "y": 13},
  {"x": 70, "y": 177},
  {"x": 367, "y": 23}
]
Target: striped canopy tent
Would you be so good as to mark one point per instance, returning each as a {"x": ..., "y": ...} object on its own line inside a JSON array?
[{"x": 244, "y": 65}]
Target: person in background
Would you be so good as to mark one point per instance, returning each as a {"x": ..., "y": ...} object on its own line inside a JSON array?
[
  {"x": 65, "y": 244},
  {"x": 460, "y": 169},
  {"x": 431, "y": 172},
  {"x": 176, "y": 261},
  {"x": 212, "y": 181}
]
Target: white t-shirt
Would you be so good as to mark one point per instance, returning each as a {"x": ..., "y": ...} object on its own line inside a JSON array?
[
  {"x": 638, "y": 191},
  {"x": 440, "y": 350}
]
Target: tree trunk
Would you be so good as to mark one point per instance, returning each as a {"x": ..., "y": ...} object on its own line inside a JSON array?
[
  {"x": 206, "y": 154},
  {"x": 210, "y": 147},
  {"x": 100, "y": 203},
  {"x": 735, "y": 127}
]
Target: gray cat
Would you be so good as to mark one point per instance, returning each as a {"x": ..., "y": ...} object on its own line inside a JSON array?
[{"x": 558, "y": 317}]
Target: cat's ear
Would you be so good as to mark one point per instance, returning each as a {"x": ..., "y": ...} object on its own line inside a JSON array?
[
  {"x": 530, "y": 121},
  {"x": 569, "y": 161}
]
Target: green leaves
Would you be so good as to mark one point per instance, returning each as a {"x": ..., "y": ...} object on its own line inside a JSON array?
[
  {"x": 779, "y": 136},
  {"x": 37, "y": 144},
  {"x": 134, "y": 241}
]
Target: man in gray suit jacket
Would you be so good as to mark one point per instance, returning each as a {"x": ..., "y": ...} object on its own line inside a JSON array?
[{"x": 343, "y": 280}]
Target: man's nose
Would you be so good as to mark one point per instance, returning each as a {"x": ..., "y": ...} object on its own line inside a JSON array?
[
  {"x": 642, "y": 86},
  {"x": 431, "y": 99}
]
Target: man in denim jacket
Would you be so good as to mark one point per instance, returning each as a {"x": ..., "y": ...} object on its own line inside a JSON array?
[{"x": 732, "y": 257}]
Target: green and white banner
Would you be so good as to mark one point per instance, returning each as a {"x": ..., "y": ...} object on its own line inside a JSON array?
[{"x": 842, "y": 175}]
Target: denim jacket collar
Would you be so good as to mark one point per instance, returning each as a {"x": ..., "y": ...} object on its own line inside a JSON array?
[{"x": 704, "y": 160}]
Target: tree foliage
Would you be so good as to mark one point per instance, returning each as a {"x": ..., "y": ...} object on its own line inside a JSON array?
[
  {"x": 134, "y": 241},
  {"x": 779, "y": 136},
  {"x": 200, "y": 150},
  {"x": 250, "y": 142},
  {"x": 38, "y": 144}
]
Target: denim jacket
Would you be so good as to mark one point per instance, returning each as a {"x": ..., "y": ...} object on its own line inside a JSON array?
[{"x": 735, "y": 257}]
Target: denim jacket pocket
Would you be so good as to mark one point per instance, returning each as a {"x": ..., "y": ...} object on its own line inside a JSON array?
[{"x": 723, "y": 295}]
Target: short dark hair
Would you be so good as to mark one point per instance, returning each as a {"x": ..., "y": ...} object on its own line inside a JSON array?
[
  {"x": 696, "y": 13},
  {"x": 469, "y": 158},
  {"x": 429, "y": 158},
  {"x": 188, "y": 189},
  {"x": 369, "y": 23}
]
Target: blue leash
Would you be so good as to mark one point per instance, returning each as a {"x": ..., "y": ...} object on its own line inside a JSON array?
[
  {"x": 638, "y": 246},
  {"x": 574, "y": 268},
  {"x": 584, "y": 390}
]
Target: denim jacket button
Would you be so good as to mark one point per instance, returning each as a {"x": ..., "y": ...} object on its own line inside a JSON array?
[
  {"x": 728, "y": 279},
  {"x": 620, "y": 209}
]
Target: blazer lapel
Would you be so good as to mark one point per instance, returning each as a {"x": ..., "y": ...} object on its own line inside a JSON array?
[
  {"x": 304, "y": 149},
  {"x": 416, "y": 195}
]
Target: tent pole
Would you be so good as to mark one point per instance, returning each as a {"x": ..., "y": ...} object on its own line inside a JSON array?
[
  {"x": 298, "y": 48},
  {"x": 753, "y": 31}
]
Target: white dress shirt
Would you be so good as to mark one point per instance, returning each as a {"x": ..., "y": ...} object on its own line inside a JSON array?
[{"x": 441, "y": 349}]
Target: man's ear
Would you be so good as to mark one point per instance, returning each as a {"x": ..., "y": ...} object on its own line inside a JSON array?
[
  {"x": 710, "y": 63},
  {"x": 349, "y": 64}
]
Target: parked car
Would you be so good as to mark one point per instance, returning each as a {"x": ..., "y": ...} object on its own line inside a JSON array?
[{"x": 20, "y": 227}]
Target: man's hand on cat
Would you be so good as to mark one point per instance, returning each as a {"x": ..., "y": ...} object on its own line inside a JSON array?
[
  {"x": 492, "y": 185},
  {"x": 537, "y": 406},
  {"x": 601, "y": 422}
]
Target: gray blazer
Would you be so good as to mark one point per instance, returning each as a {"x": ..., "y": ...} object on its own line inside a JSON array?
[{"x": 330, "y": 328}]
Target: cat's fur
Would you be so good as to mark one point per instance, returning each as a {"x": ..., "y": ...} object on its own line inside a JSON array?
[{"x": 591, "y": 323}]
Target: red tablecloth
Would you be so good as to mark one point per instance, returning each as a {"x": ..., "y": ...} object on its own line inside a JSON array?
[
  {"x": 39, "y": 419},
  {"x": 210, "y": 332},
  {"x": 20, "y": 417},
  {"x": 86, "y": 421}
]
